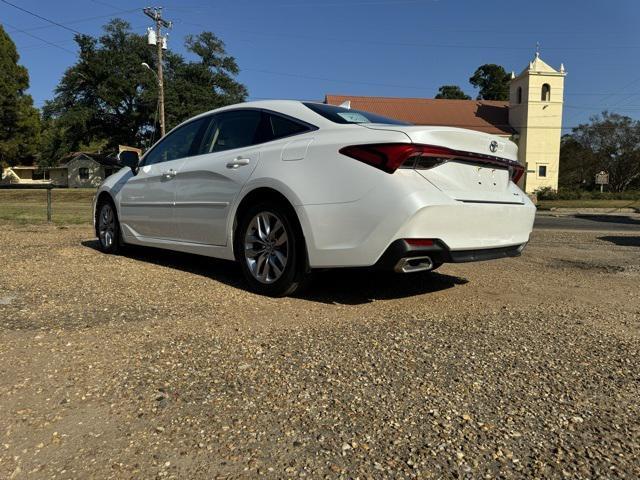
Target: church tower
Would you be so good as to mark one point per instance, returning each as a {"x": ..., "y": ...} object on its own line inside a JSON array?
[{"x": 535, "y": 112}]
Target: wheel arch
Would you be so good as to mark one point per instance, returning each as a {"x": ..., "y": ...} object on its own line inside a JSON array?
[
  {"x": 262, "y": 193},
  {"x": 103, "y": 196}
]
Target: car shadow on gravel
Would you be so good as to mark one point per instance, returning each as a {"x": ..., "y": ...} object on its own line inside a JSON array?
[
  {"x": 622, "y": 241},
  {"x": 221, "y": 270},
  {"x": 350, "y": 286},
  {"x": 358, "y": 286}
]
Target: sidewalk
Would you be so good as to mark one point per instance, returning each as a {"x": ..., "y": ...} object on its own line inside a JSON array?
[{"x": 631, "y": 212}]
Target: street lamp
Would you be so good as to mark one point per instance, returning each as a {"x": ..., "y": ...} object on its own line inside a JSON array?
[
  {"x": 160, "y": 96},
  {"x": 146, "y": 65}
]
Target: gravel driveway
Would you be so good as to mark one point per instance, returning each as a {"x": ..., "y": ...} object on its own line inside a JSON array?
[{"x": 159, "y": 365}]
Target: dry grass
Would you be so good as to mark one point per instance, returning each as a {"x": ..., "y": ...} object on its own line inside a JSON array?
[{"x": 69, "y": 206}]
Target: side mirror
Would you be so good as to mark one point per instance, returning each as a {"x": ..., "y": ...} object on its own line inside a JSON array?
[{"x": 129, "y": 159}]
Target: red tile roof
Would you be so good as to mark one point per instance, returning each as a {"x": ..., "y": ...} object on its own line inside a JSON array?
[{"x": 483, "y": 115}]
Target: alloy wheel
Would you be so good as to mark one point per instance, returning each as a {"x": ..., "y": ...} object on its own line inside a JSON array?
[
  {"x": 266, "y": 247},
  {"x": 107, "y": 226}
]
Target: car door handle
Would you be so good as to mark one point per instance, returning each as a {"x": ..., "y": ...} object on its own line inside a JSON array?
[
  {"x": 238, "y": 162},
  {"x": 169, "y": 174}
]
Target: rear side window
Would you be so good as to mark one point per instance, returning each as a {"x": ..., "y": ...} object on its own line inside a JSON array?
[
  {"x": 279, "y": 127},
  {"x": 230, "y": 130},
  {"x": 243, "y": 128},
  {"x": 345, "y": 115}
]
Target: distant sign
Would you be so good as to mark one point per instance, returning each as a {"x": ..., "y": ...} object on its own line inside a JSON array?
[{"x": 602, "y": 178}]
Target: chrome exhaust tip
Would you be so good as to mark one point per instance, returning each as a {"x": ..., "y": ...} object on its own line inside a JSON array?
[{"x": 414, "y": 264}]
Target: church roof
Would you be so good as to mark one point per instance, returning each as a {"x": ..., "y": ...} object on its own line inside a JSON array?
[{"x": 482, "y": 115}]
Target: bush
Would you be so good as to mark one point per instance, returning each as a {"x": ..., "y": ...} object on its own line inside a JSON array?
[{"x": 546, "y": 193}]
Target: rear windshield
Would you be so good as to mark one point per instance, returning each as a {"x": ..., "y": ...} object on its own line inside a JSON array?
[{"x": 346, "y": 115}]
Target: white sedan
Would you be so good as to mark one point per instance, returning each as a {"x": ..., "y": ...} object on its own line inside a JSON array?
[{"x": 285, "y": 187}]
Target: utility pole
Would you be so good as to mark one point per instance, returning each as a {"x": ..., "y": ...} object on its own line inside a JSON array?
[{"x": 155, "y": 13}]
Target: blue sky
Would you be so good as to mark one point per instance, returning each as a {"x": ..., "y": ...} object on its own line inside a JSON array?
[{"x": 407, "y": 48}]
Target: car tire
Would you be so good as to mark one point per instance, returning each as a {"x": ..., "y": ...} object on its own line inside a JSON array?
[
  {"x": 269, "y": 246},
  {"x": 108, "y": 227}
]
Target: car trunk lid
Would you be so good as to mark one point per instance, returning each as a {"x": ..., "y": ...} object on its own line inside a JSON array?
[{"x": 478, "y": 167}]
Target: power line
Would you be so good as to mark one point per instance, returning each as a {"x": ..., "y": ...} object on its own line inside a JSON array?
[
  {"x": 605, "y": 107},
  {"x": 399, "y": 44},
  {"x": 60, "y": 25},
  {"x": 626, "y": 98},
  {"x": 323, "y": 78},
  {"x": 343, "y": 4},
  {"x": 15, "y": 29},
  {"x": 335, "y": 80},
  {"x": 299, "y": 75},
  {"x": 607, "y": 94},
  {"x": 324, "y": 38},
  {"x": 55, "y": 44},
  {"x": 627, "y": 85},
  {"x": 53, "y": 22},
  {"x": 432, "y": 28},
  {"x": 355, "y": 82},
  {"x": 107, "y": 4},
  {"x": 80, "y": 20},
  {"x": 322, "y": 4}
]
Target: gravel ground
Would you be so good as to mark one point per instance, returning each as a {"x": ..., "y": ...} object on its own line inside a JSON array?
[{"x": 159, "y": 365}]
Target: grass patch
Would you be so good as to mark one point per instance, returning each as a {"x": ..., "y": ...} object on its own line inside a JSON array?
[
  {"x": 68, "y": 205},
  {"x": 612, "y": 204}
]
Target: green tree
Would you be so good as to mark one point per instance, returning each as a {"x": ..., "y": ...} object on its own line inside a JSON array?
[
  {"x": 205, "y": 84},
  {"x": 19, "y": 120},
  {"x": 107, "y": 98},
  {"x": 452, "y": 92},
  {"x": 577, "y": 164},
  {"x": 493, "y": 82},
  {"x": 54, "y": 144},
  {"x": 610, "y": 142}
]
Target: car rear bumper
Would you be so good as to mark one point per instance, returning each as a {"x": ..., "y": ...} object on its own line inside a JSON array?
[
  {"x": 357, "y": 234},
  {"x": 439, "y": 253}
]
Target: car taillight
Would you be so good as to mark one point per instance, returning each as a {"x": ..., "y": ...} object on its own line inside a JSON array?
[
  {"x": 516, "y": 172},
  {"x": 388, "y": 157}
]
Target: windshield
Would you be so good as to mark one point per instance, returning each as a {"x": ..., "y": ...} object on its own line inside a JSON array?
[{"x": 346, "y": 115}]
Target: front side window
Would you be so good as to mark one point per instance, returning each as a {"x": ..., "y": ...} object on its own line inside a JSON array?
[
  {"x": 83, "y": 173},
  {"x": 176, "y": 144},
  {"x": 228, "y": 130},
  {"x": 346, "y": 115}
]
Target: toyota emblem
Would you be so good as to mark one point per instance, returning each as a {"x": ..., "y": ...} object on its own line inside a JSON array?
[{"x": 493, "y": 146}]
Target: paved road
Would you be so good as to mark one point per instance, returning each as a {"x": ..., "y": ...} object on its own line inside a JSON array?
[{"x": 599, "y": 222}]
